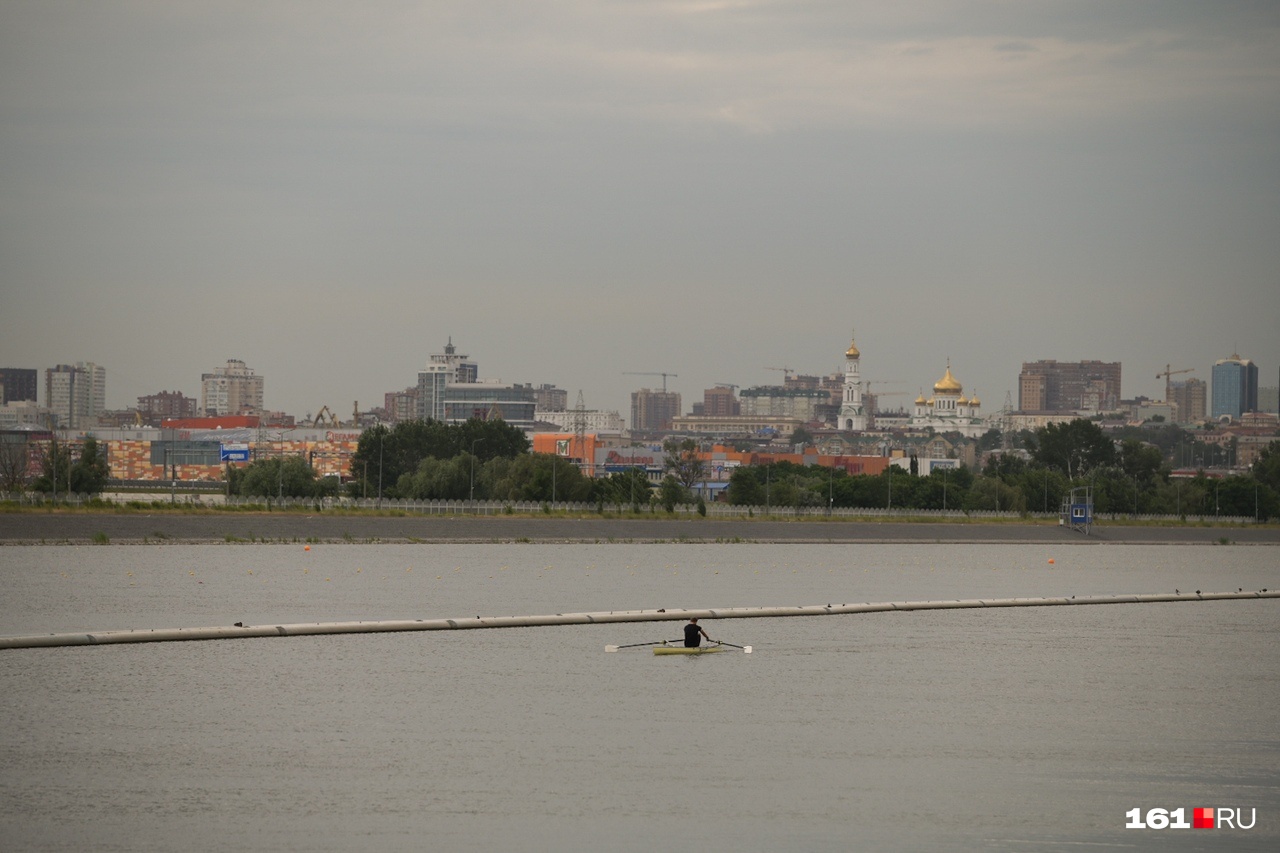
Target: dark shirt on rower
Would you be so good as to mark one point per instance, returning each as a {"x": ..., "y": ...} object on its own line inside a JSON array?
[{"x": 692, "y": 635}]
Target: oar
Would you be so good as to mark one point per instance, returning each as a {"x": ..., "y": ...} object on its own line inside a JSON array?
[
  {"x": 745, "y": 649},
  {"x": 634, "y": 645}
]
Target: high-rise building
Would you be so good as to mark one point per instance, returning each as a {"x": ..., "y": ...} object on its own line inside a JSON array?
[
  {"x": 231, "y": 390},
  {"x": 551, "y": 398},
  {"x": 17, "y": 383},
  {"x": 76, "y": 394},
  {"x": 1190, "y": 397},
  {"x": 401, "y": 405},
  {"x": 720, "y": 402},
  {"x": 166, "y": 405},
  {"x": 652, "y": 411},
  {"x": 1235, "y": 387},
  {"x": 1069, "y": 386}
]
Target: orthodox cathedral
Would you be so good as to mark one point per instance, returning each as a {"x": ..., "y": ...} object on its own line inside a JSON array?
[{"x": 948, "y": 410}]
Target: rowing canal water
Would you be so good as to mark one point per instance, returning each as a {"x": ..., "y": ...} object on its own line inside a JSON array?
[{"x": 1008, "y": 729}]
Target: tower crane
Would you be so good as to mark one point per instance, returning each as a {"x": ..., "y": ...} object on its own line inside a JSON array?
[
  {"x": 786, "y": 371},
  {"x": 652, "y": 373},
  {"x": 1168, "y": 383}
]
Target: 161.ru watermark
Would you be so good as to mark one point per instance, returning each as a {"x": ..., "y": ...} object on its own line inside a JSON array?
[{"x": 1207, "y": 818}]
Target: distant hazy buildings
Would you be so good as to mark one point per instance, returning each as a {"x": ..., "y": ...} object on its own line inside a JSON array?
[
  {"x": 653, "y": 411},
  {"x": 76, "y": 394},
  {"x": 17, "y": 383},
  {"x": 450, "y": 390},
  {"x": 1235, "y": 387},
  {"x": 591, "y": 420},
  {"x": 1076, "y": 386},
  {"x": 1268, "y": 399},
  {"x": 231, "y": 390},
  {"x": 1190, "y": 397},
  {"x": 166, "y": 405}
]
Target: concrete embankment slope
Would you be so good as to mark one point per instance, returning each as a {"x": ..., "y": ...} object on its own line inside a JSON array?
[{"x": 56, "y": 528}]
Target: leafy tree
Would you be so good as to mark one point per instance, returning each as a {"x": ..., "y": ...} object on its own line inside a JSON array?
[
  {"x": 990, "y": 440},
  {"x": 13, "y": 466},
  {"x": 683, "y": 462},
  {"x": 90, "y": 473},
  {"x": 671, "y": 492},
  {"x": 994, "y": 494},
  {"x": 1141, "y": 461},
  {"x": 288, "y": 476},
  {"x": 87, "y": 474},
  {"x": 801, "y": 436},
  {"x": 1267, "y": 466},
  {"x": 630, "y": 486},
  {"x": 745, "y": 488},
  {"x": 1074, "y": 448},
  {"x": 389, "y": 454}
]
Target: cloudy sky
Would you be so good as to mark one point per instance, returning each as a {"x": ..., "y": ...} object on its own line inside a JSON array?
[{"x": 572, "y": 190}]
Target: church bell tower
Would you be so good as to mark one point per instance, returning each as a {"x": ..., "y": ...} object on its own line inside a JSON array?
[{"x": 853, "y": 417}]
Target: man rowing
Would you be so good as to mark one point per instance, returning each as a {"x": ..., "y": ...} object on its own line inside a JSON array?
[{"x": 693, "y": 634}]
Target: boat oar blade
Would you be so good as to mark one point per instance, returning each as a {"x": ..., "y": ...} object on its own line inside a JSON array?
[
  {"x": 610, "y": 648},
  {"x": 746, "y": 649}
]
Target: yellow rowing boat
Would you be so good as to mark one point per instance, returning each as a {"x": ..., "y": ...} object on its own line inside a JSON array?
[{"x": 687, "y": 650}]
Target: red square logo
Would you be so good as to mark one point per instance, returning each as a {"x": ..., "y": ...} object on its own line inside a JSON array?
[{"x": 1202, "y": 819}]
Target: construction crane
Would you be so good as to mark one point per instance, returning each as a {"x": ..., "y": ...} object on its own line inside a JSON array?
[
  {"x": 652, "y": 373},
  {"x": 1168, "y": 383},
  {"x": 320, "y": 417},
  {"x": 786, "y": 371}
]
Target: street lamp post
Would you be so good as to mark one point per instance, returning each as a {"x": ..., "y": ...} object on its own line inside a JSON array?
[{"x": 381, "y": 432}]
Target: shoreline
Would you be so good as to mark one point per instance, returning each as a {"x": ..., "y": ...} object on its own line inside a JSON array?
[{"x": 96, "y": 528}]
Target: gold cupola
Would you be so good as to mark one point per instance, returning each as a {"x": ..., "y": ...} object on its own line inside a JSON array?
[
  {"x": 948, "y": 384},
  {"x": 852, "y": 351}
]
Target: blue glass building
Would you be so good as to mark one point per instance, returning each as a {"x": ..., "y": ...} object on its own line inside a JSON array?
[{"x": 1235, "y": 387}]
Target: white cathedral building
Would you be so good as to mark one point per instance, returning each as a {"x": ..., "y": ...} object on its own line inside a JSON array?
[{"x": 948, "y": 410}]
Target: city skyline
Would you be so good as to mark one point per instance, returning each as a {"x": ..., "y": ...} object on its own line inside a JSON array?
[{"x": 702, "y": 189}]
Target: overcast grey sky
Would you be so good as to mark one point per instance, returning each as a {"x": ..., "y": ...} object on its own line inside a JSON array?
[{"x": 571, "y": 190}]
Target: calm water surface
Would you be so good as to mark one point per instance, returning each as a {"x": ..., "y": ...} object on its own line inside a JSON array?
[{"x": 1009, "y": 729}]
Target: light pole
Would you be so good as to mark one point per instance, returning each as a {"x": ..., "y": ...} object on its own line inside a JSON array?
[
  {"x": 945, "y": 471},
  {"x": 473, "y": 467},
  {"x": 381, "y": 433}
]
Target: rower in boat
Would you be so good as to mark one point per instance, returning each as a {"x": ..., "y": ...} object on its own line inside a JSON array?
[{"x": 693, "y": 634}]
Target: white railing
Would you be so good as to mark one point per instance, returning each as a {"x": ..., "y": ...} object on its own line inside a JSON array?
[{"x": 465, "y": 508}]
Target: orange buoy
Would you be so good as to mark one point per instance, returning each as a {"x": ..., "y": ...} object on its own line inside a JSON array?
[
  {"x": 1051, "y": 561},
  {"x": 306, "y": 547}
]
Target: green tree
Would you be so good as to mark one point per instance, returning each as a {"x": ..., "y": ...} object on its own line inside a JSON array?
[
  {"x": 683, "y": 462},
  {"x": 1267, "y": 467},
  {"x": 89, "y": 473},
  {"x": 630, "y": 487},
  {"x": 1074, "y": 448},
  {"x": 55, "y": 468},
  {"x": 289, "y": 477},
  {"x": 745, "y": 488},
  {"x": 671, "y": 492}
]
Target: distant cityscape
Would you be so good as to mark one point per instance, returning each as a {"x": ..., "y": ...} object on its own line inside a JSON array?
[{"x": 839, "y": 414}]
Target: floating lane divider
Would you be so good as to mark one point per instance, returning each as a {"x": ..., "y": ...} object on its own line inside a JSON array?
[{"x": 238, "y": 632}]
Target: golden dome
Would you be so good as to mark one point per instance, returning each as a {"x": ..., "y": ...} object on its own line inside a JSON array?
[
  {"x": 947, "y": 384},
  {"x": 963, "y": 401},
  {"x": 852, "y": 351},
  {"x": 920, "y": 401},
  {"x": 975, "y": 402}
]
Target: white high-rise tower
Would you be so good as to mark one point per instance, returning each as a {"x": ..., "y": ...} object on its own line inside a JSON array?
[{"x": 853, "y": 417}]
